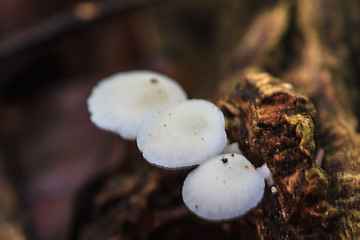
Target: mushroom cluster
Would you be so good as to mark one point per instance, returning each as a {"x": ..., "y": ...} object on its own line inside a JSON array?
[{"x": 154, "y": 110}]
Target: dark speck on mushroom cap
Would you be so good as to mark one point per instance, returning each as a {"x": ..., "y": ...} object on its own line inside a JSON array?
[
  {"x": 224, "y": 160},
  {"x": 154, "y": 80}
]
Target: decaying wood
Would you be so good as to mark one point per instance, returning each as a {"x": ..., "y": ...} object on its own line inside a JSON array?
[
  {"x": 274, "y": 124},
  {"x": 304, "y": 131},
  {"x": 145, "y": 202},
  {"x": 305, "y": 52}
]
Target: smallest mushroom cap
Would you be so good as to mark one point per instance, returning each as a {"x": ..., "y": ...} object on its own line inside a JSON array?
[{"x": 224, "y": 187}]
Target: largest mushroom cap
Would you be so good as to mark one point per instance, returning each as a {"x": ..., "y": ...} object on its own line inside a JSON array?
[
  {"x": 224, "y": 187},
  {"x": 121, "y": 102},
  {"x": 183, "y": 135}
]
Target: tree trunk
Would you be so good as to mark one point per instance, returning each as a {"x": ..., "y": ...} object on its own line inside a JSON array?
[{"x": 302, "y": 125}]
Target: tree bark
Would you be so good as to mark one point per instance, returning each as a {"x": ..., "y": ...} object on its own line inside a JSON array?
[
  {"x": 302, "y": 126},
  {"x": 313, "y": 46},
  {"x": 276, "y": 125}
]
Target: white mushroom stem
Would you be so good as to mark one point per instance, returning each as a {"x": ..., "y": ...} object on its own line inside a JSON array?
[
  {"x": 231, "y": 148},
  {"x": 265, "y": 172},
  {"x": 225, "y": 187}
]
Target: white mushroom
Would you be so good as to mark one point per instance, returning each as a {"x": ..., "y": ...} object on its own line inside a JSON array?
[
  {"x": 231, "y": 148},
  {"x": 183, "y": 135},
  {"x": 120, "y": 103},
  {"x": 265, "y": 172},
  {"x": 224, "y": 187}
]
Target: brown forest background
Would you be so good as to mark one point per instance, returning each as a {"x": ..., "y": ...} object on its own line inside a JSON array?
[{"x": 62, "y": 178}]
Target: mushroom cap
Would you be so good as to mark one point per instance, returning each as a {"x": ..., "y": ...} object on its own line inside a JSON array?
[
  {"x": 183, "y": 135},
  {"x": 222, "y": 188},
  {"x": 120, "y": 103}
]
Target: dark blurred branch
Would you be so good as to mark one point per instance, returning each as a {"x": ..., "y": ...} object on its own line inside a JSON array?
[{"x": 80, "y": 16}]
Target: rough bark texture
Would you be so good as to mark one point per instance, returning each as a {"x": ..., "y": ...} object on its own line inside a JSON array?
[
  {"x": 311, "y": 146},
  {"x": 315, "y": 53},
  {"x": 274, "y": 124}
]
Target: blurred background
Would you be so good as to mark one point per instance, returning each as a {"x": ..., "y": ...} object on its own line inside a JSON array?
[{"x": 53, "y": 52}]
